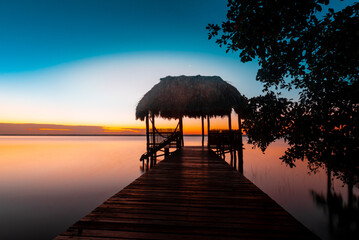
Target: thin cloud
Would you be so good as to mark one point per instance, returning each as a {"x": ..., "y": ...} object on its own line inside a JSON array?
[{"x": 55, "y": 129}]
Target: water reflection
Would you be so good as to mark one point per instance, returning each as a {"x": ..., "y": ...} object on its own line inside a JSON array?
[
  {"x": 343, "y": 216},
  {"x": 48, "y": 183},
  {"x": 302, "y": 192}
]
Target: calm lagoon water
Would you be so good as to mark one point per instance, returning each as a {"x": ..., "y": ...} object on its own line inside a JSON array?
[{"x": 48, "y": 183}]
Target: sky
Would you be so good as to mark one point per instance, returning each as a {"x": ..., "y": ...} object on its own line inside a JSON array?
[{"x": 89, "y": 62}]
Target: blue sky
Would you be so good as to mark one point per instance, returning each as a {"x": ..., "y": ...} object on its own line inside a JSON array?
[
  {"x": 39, "y": 34},
  {"x": 88, "y": 62}
]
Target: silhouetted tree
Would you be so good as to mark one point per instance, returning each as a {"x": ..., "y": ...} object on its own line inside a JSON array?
[
  {"x": 298, "y": 45},
  {"x": 265, "y": 118}
]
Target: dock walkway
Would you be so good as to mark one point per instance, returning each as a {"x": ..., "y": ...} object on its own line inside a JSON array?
[{"x": 192, "y": 194}]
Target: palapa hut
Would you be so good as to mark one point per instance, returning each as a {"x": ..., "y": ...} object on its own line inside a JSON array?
[{"x": 189, "y": 96}]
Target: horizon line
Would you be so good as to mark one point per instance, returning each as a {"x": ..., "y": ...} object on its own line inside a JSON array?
[{"x": 99, "y": 135}]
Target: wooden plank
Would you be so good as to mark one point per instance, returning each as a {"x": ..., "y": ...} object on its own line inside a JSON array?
[{"x": 192, "y": 194}]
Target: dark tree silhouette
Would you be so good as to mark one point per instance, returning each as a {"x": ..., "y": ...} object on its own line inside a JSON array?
[
  {"x": 298, "y": 45},
  {"x": 265, "y": 118}
]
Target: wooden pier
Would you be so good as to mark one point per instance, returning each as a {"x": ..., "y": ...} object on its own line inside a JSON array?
[{"x": 192, "y": 194}]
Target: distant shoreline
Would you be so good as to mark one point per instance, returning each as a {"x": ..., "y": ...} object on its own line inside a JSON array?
[{"x": 89, "y": 135}]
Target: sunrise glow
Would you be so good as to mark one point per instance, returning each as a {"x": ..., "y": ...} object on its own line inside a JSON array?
[{"x": 104, "y": 91}]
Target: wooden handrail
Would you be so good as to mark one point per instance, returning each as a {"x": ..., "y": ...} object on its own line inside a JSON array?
[
  {"x": 222, "y": 138},
  {"x": 155, "y": 149},
  {"x": 226, "y": 141}
]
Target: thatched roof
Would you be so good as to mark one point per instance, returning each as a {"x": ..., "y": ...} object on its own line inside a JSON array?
[{"x": 191, "y": 96}]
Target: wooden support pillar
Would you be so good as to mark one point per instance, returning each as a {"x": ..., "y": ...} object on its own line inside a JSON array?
[
  {"x": 147, "y": 134},
  {"x": 153, "y": 158},
  {"x": 202, "y": 131},
  {"x": 234, "y": 159},
  {"x": 167, "y": 152},
  {"x": 178, "y": 143},
  {"x": 240, "y": 162},
  {"x": 230, "y": 138},
  {"x": 330, "y": 197},
  {"x": 229, "y": 122},
  {"x": 240, "y": 147},
  {"x": 181, "y": 130},
  {"x": 208, "y": 129}
]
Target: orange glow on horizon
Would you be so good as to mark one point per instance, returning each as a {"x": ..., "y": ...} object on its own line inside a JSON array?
[
  {"x": 191, "y": 126},
  {"x": 52, "y": 129},
  {"x": 108, "y": 129}
]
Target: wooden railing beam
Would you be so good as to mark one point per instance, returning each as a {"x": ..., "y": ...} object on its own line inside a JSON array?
[
  {"x": 202, "y": 120},
  {"x": 147, "y": 133}
]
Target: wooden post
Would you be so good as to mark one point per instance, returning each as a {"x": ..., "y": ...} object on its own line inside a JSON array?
[
  {"x": 147, "y": 133},
  {"x": 208, "y": 129},
  {"x": 202, "y": 131},
  {"x": 153, "y": 159},
  {"x": 178, "y": 143},
  {"x": 230, "y": 137},
  {"x": 329, "y": 196},
  {"x": 181, "y": 131},
  {"x": 240, "y": 147},
  {"x": 229, "y": 122},
  {"x": 234, "y": 159}
]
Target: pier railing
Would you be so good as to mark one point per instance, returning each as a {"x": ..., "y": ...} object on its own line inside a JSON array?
[
  {"x": 161, "y": 135},
  {"x": 162, "y": 141},
  {"x": 227, "y": 141}
]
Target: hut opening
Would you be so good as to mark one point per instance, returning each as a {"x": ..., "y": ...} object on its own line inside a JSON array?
[{"x": 194, "y": 97}]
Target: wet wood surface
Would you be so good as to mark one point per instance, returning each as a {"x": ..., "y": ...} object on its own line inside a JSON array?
[{"x": 192, "y": 194}]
